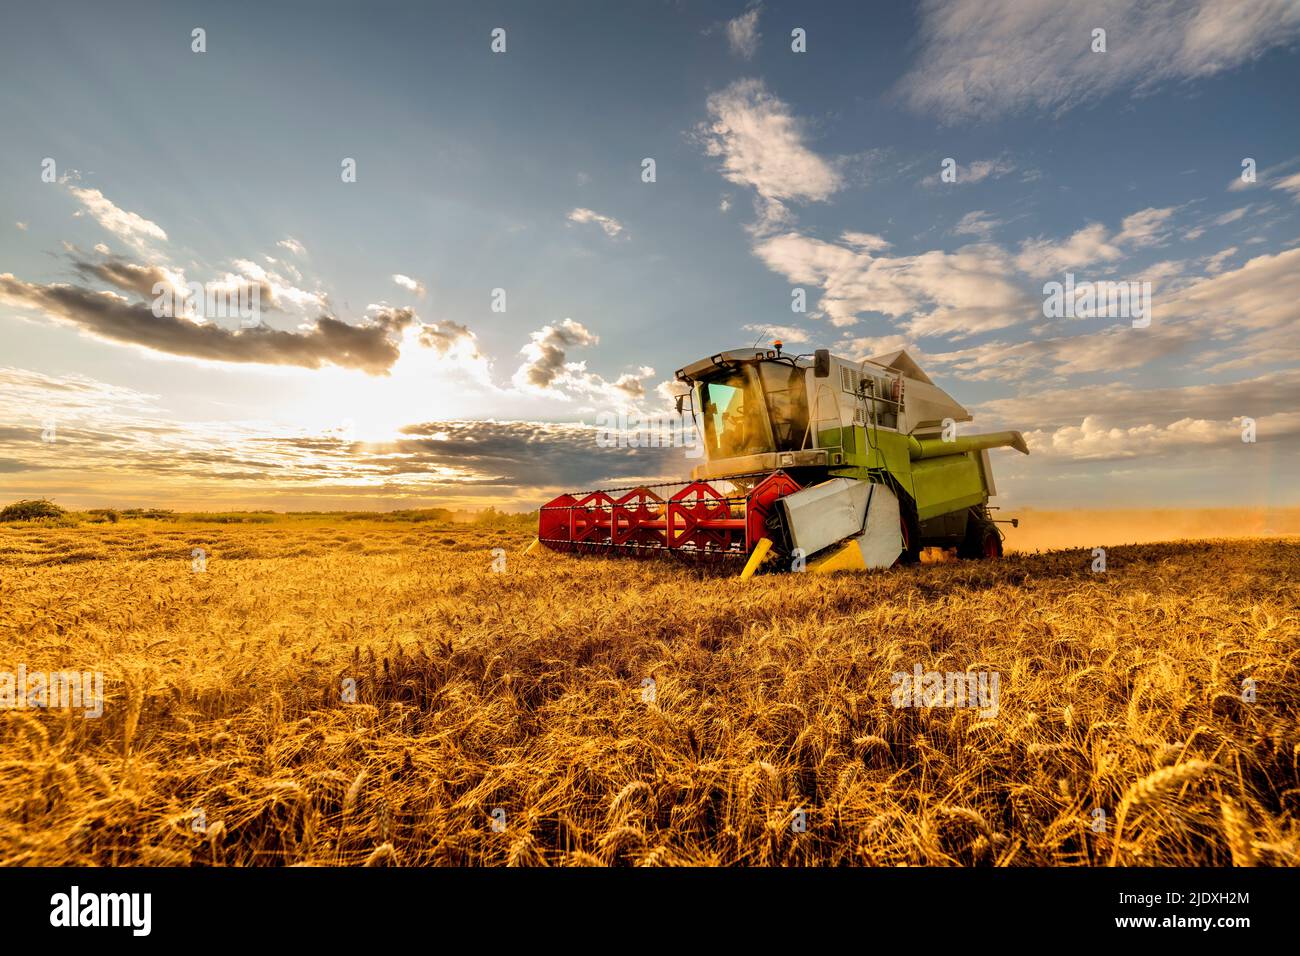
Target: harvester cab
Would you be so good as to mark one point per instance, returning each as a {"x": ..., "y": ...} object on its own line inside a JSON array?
[{"x": 810, "y": 462}]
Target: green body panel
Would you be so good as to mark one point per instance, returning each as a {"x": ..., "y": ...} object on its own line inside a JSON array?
[
  {"x": 947, "y": 484},
  {"x": 938, "y": 485},
  {"x": 834, "y": 437},
  {"x": 889, "y": 453}
]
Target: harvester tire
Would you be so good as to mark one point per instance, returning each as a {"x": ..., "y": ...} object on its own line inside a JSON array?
[
  {"x": 982, "y": 541},
  {"x": 911, "y": 532}
]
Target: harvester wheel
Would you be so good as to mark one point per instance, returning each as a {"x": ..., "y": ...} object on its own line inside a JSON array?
[
  {"x": 982, "y": 541},
  {"x": 911, "y": 534},
  {"x": 992, "y": 544}
]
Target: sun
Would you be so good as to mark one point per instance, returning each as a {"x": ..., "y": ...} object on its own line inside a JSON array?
[{"x": 423, "y": 385}]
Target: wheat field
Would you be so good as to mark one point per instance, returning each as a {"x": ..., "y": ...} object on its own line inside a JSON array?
[{"x": 508, "y": 717}]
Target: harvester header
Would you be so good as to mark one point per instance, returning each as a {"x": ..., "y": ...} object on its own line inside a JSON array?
[{"x": 811, "y": 461}]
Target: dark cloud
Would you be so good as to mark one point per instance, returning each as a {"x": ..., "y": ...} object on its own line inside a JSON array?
[
  {"x": 369, "y": 347},
  {"x": 546, "y": 351},
  {"x": 533, "y": 454},
  {"x": 125, "y": 275},
  {"x": 133, "y": 277},
  {"x": 528, "y": 462},
  {"x": 443, "y": 335},
  {"x": 631, "y": 385},
  {"x": 126, "y": 449}
]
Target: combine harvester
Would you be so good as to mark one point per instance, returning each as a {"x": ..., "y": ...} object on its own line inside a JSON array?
[{"x": 813, "y": 463}]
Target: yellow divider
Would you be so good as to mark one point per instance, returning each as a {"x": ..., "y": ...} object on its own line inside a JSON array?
[
  {"x": 847, "y": 558},
  {"x": 758, "y": 557}
]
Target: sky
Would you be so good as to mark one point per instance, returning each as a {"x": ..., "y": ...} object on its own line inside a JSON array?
[{"x": 462, "y": 256}]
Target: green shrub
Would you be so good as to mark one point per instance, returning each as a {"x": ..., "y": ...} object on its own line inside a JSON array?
[{"x": 31, "y": 509}]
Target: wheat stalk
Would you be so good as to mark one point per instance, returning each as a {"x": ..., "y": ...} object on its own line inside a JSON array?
[
  {"x": 1237, "y": 828},
  {"x": 533, "y": 706},
  {"x": 1154, "y": 788},
  {"x": 134, "y": 705},
  {"x": 382, "y": 855}
]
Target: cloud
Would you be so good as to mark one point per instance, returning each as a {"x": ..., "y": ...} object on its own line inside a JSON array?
[
  {"x": 21, "y": 225},
  {"x": 762, "y": 145},
  {"x": 977, "y": 223},
  {"x": 129, "y": 276},
  {"x": 1100, "y": 422},
  {"x": 109, "y": 316},
  {"x": 1159, "y": 273},
  {"x": 133, "y": 229},
  {"x": 1249, "y": 313},
  {"x": 786, "y": 334},
  {"x": 1094, "y": 243},
  {"x": 546, "y": 352},
  {"x": 743, "y": 35},
  {"x": 1111, "y": 350},
  {"x": 547, "y": 370},
  {"x": 975, "y": 172},
  {"x": 1290, "y": 184},
  {"x": 936, "y": 292},
  {"x": 864, "y": 241},
  {"x": 869, "y": 346},
  {"x": 1232, "y": 215},
  {"x": 276, "y": 291},
  {"x": 982, "y": 169},
  {"x": 983, "y": 287},
  {"x": 1053, "y": 408},
  {"x": 1245, "y": 316},
  {"x": 1146, "y": 228},
  {"x": 986, "y": 58},
  {"x": 632, "y": 384},
  {"x": 611, "y": 226},
  {"x": 539, "y": 459},
  {"x": 187, "y": 325},
  {"x": 770, "y": 215},
  {"x": 293, "y": 245},
  {"x": 1269, "y": 175},
  {"x": 447, "y": 337},
  {"x": 30, "y": 394},
  {"x": 117, "y": 447},
  {"x": 1262, "y": 293},
  {"x": 1093, "y": 440},
  {"x": 1043, "y": 257},
  {"x": 1216, "y": 262},
  {"x": 411, "y": 285}
]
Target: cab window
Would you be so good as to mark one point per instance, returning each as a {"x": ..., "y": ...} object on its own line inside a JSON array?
[
  {"x": 787, "y": 403},
  {"x": 734, "y": 423}
]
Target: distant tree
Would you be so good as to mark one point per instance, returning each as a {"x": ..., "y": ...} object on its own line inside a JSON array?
[{"x": 31, "y": 509}]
